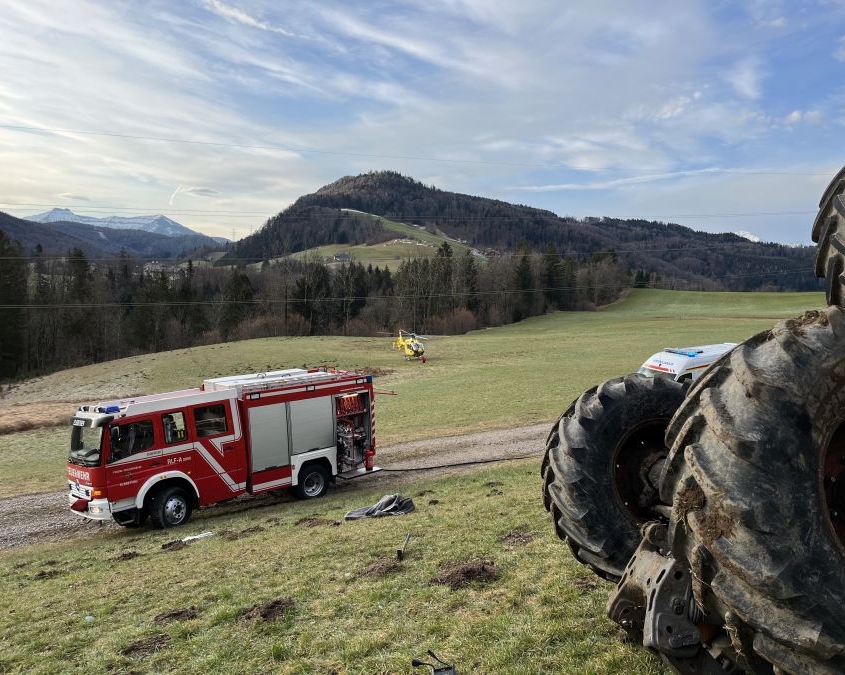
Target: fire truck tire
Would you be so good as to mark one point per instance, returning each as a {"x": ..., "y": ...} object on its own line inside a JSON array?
[
  {"x": 170, "y": 507},
  {"x": 755, "y": 472},
  {"x": 602, "y": 465},
  {"x": 313, "y": 481},
  {"x": 829, "y": 232}
]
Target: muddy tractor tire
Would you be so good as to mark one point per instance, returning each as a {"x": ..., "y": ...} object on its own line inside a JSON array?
[
  {"x": 755, "y": 474},
  {"x": 602, "y": 464},
  {"x": 829, "y": 233}
]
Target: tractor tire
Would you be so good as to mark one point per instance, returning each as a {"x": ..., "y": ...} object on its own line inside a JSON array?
[
  {"x": 601, "y": 468},
  {"x": 755, "y": 474},
  {"x": 829, "y": 233}
]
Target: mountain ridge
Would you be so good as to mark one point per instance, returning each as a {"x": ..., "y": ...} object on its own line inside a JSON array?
[{"x": 696, "y": 259}]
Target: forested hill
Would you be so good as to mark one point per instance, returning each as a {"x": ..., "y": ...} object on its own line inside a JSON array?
[{"x": 691, "y": 258}]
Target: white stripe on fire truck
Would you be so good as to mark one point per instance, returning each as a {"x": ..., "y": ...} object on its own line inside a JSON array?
[
  {"x": 273, "y": 483},
  {"x": 206, "y": 455}
]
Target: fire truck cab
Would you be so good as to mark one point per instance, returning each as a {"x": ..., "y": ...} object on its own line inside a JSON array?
[{"x": 163, "y": 455}]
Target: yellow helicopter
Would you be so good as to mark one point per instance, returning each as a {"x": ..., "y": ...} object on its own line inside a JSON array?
[{"x": 410, "y": 345}]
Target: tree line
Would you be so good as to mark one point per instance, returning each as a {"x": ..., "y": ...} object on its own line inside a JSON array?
[{"x": 63, "y": 312}]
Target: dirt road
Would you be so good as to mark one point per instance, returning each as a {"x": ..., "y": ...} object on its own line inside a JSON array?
[{"x": 31, "y": 519}]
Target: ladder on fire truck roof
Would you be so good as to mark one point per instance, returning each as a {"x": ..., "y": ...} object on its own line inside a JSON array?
[{"x": 270, "y": 380}]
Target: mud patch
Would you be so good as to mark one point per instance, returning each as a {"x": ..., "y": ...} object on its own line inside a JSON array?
[
  {"x": 424, "y": 493},
  {"x": 145, "y": 647},
  {"x": 231, "y": 535},
  {"x": 457, "y": 575},
  {"x": 126, "y": 555},
  {"x": 176, "y": 615},
  {"x": 270, "y": 611},
  {"x": 495, "y": 493},
  {"x": 316, "y": 521},
  {"x": 690, "y": 498},
  {"x": 517, "y": 538},
  {"x": 433, "y": 502},
  {"x": 493, "y": 483},
  {"x": 380, "y": 568},
  {"x": 48, "y": 574},
  {"x": 175, "y": 545}
]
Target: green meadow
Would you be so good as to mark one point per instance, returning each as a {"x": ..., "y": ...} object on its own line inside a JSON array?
[{"x": 290, "y": 587}]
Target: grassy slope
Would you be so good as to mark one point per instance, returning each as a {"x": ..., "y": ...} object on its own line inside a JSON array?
[
  {"x": 514, "y": 375},
  {"x": 544, "y": 614},
  {"x": 415, "y": 242}
]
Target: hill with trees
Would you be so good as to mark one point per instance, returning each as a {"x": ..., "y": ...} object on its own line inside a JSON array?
[{"x": 669, "y": 254}]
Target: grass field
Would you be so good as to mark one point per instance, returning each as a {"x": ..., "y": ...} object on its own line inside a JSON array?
[
  {"x": 411, "y": 242},
  {"x": 289, "y": 587}
]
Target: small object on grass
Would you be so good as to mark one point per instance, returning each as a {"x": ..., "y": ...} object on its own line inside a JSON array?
[
  {"x": 400, "y": 552},
  {"x": 443, "y": 669},
  {"x": 202, "y": 535}
]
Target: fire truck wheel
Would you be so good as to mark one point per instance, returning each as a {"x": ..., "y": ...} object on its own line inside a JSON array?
[
  {"x": 170, "y": 507},
  {"x": 313, "y": 481},
  {"x": 602, "y": 467},
  {"x": 756, "y": 464}
]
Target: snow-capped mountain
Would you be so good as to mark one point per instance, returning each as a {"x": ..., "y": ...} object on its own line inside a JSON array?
[
  {"x": 158, "y": 224},
  {"x": 748, "y": 235}
]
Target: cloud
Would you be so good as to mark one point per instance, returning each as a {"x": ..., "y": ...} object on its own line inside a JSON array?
[
  {"x": 617, "y": 183},
  {"x": 745, "y": 78},
  {"x": 236, "y": 15},
  {"x": 799, "y": 116},
  {"x": 839, "y": 53},
  {"x": 73, "y": 197}
]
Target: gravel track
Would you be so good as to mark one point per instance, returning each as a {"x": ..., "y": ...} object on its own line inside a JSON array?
[{"x": 32, "y": 519}]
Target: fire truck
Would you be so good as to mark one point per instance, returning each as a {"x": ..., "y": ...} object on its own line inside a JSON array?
[{"x": 163, "y": 455}]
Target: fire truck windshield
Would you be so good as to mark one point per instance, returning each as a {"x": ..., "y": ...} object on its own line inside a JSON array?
[{"x": 85, "y": 444}]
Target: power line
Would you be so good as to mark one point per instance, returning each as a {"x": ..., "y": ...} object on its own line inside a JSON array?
[{"x": 334, "y": 299}]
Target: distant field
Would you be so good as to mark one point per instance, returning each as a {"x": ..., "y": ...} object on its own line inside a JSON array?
[
  {"x": 501, "y": 377},
  {"x": 410, "y": 242}
]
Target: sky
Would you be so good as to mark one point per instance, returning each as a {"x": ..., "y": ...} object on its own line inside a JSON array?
[{"x": 721, "y": 116}]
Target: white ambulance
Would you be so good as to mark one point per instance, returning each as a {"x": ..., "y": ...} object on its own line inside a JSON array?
[{"x": 684, "y": 363}]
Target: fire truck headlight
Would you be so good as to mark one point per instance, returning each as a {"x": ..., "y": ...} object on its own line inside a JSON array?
[
  {"x": 97, "y": 493},
  {"x": 94, "y": 509}
]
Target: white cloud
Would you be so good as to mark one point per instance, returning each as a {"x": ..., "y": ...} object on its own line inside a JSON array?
[
  {"x": 745, "y": 77},
  {"x": 839, "y": 52}
]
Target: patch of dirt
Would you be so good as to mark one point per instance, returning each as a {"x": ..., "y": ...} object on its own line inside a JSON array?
[
  {"x": 433, "y": 502},
  {"x": 270, "y": 611},
  {"x": 495, "y": 493},
  {"x": 175, "y": 545},
  {"x": 457, "y": 575},
  {"x": 380, "y": 568},
  {"x": 176, "y": 615},
  {"x": 25, "y": 416},
  {"x": 587, "y": 583},
  {"x": 48, "y": 574},
  {"x": 316, "y": 521},
  {"x": 126, "y": 555},
  {"x": 493, "y": 483},
  {"x": 231, "y": 535},
  {"x": 146, "y": 646},
  {"x": 517, "y": 538}
]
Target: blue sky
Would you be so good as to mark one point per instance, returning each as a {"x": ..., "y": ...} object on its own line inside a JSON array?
[{"x": 723, "y": 116}]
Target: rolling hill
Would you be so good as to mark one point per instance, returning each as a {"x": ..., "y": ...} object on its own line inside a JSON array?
[{"x": 354, "y": 211}]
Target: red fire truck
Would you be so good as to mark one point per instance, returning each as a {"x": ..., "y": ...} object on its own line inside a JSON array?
[{"x": 164, "y": 455}]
